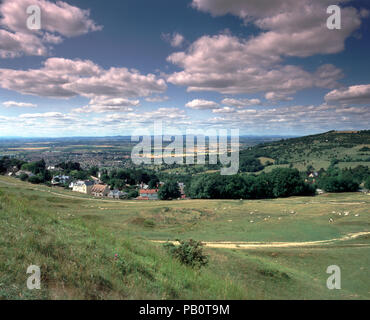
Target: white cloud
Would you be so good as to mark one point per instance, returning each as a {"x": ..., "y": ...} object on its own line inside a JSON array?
[
  {"x": 9, "y": 104},
  {"x": 157, "y": 99},
  {"x": 278, "y": 96},
  {"x": 230, "y": 65},
  {"x": 175, "y": 40},
  {"x": 288, "y": 28},
  {"x": 224, "y": 110},
  {"x": 200, "y": 104},
  {"x": 66, "y": 78},
  {"x": 57, "y": 20},
  {"x": 103, "y": 104},
  {"x": 299, "y": 118},
  {"x": 240, "y": 102},
  {"x": 252, "y": 9},
  {"x": 355, "y": 95}
]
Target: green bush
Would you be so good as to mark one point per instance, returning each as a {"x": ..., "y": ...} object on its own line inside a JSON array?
[
  {"x": 35, "y": 179},
  {"x": 188, "y": 252},
  {"x": 23, "y": 176}
]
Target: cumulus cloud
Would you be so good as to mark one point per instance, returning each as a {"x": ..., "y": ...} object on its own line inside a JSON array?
[
  {"x": 58, "y": 20},
  {"x": 10, "y": 104},
  {"x": 252, "y": 9},
  {"x": 104, "y": 104},
  {"x": 64, "y": 78},
  {"x": 288, "y": 28},
  {"x": 175, "y": 40},
  {"x": 157, "y": 99},
  {"x": 201, "y": 104},
  {"x": 224, "y": 110},
  {"x": 229, "y": 65},
  {"x": 352, "y": 95},
  {"x": 292, "y": 118},
  {"x": 278, "y": 96},
  {"x": 240, "y": 102}
]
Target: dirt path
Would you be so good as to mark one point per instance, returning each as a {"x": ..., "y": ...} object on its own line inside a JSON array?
[{"x": 261, "y": 245}]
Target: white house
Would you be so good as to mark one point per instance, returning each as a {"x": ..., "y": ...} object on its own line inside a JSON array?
[
  {"x": 60, "y": 179},
  {"x": 116, "y": 194},
  {"x": 83, "y": 186}
]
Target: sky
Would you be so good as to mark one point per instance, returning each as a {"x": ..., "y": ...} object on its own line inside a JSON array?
[{"x": 107, "y": 68}]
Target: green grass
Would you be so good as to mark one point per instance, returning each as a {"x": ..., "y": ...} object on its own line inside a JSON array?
[{"x": 74, "y": 239}]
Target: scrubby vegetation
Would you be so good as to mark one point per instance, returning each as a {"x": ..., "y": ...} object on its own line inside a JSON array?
[
  {"x": 97, "y": 249},
  {"x": 282, "y": 182},
  {"x": 188, "y": 252}
]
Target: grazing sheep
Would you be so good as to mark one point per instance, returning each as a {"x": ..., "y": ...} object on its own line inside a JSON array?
[{"x": 331, "y": 220}]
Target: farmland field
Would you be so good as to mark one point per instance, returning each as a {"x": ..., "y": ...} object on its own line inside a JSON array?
[{"x": 74, "y": 239}]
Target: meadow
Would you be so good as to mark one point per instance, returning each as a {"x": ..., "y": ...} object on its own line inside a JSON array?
[{"x": 103, "y": 249}]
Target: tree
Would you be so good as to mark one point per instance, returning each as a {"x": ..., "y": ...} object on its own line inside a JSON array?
[
  {"x": 93, "y": 171},
  {"x": 132, "y": 194},
  {"x": 367, "y": 183},
  {"x": 153, "y": 183},
  {"x": 35, "y": 179},
  {"x": 170, "y": 190}
]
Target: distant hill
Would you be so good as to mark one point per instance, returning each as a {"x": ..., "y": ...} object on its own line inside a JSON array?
[{"x": 347, "y": 148}]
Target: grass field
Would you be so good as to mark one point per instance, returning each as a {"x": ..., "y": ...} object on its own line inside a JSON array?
[{"x": 74, "y": 238}]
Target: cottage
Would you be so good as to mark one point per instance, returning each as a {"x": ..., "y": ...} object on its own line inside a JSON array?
[
  {"x": 60, "y": 180},
  {"x": 148, "y": 194},
  {"x": 83, "y": 187},
  {"x": 116, "y": 194},
  {"x": 100, "y": 190},
  {"x": 20, "y": 172},
  {"x": 96, "y": 180},
  {"x": 182, "y": 189}
]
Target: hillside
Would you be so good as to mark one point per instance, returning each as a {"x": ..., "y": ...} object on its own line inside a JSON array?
[
  {"x": 74, "y": 239},
  {"x": 349, "y": 148}
]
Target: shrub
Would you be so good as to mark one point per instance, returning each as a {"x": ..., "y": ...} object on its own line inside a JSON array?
[
  {"x": 23, "y": 176},
  {"x": 35, "y": 179},
  {"x": 133, "y": 194},
  {"x": 189, "y": 253}
]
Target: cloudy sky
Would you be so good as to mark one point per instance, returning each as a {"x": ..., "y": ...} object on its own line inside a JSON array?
[{"x": 108, "y": 67}]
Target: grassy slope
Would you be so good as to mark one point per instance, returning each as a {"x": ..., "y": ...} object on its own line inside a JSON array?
[
  {"x": 316, "y": 150},
  {"x": 74, "y": 242}
]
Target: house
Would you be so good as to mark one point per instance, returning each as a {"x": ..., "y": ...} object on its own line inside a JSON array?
[
  {"x": 83, "y": 187},
  {"x": 143, "y": 186},
  {"x": 60, "y": 180},
  {"x": 29, "y": 173},
  {"x": 96, "y": 180},
  {"x": 182, "y": 189},
  {"x": 313, "y": 175},
  {"x": 100, "y": 190},
  {"x": 148, "y": 194},
  {"x": 116, "y": 194}
]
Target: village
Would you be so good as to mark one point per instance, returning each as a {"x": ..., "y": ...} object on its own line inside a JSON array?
[{"x": 98, "y": 189}]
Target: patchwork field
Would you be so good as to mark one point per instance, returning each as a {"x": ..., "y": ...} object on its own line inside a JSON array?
[{"x": 266, "y": 249}]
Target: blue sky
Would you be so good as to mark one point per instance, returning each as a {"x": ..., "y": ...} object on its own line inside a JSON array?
[{"x": 106, "y": 68}]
